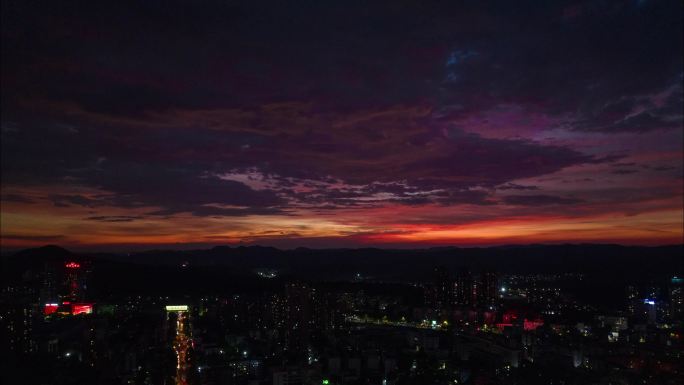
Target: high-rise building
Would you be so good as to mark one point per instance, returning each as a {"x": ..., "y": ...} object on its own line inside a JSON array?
[
  {"x": 441, "y": 291},
  {"x": 64, "y": 287},
  {"x": 465, "y": 289},
  {"x": 677, "y": 298},
  {"x": 49, "y": 289},
  {"x": 299, "y": 320},
  {"x": 632, "y": 294},
  {"x": 74, "y": 282},
  {"x": 487, "y": 289},
  {"x": 16, "y": 327}
]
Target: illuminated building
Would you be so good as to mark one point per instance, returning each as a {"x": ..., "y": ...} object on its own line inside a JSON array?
[
  {"x": 532, "y": 324},
  {"x": 327, "y": 313},
  {"x": 677, "y": 298},
  {"x": 465, "y": 290},
  {"x": 440, "y": 294},
  {"x": 67, "y": 308},
  {"x": 50, "y": 308},
  {"x": 299, "y": 301},
  {"x": 648, "y": 310},
  {"x": 81, "y": 308},
  {"x": 632, "y": 300},
  {"x": 64, "y": 282},
  {"x": 649, "y": 305},
  {"x": 512, "y": 318},
  {"x": 16, "y": 327},
  {"x": 75, "y": 281},
  {"x": 487, "y": 290},
  {"x": 443, "y": 288},
  {"x": 49, "y": 291},
  {"x": 63, "y": 288}
]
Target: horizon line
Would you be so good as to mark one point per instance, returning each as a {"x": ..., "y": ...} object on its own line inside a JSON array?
[{"x": 70, "y": 248}]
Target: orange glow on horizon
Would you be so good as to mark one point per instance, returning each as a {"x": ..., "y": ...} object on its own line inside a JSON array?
[{"x": 652, "y": 228}]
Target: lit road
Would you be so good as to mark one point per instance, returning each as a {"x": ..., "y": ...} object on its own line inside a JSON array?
[
  {"x": 181, "y": 344},
  {"x": 405, "y": 324}
]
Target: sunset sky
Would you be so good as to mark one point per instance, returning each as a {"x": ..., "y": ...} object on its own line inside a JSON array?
[{"x": 386, "y": 124}]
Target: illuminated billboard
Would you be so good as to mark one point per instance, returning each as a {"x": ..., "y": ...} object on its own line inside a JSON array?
[
  {"x": 68, "y": 308},
  {"x": 176, "y": 307},
  {"x": 50, "y": 308},
  {"x": 81, "y": 308}
]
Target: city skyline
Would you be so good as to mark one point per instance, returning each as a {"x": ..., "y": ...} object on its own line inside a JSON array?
[{"x": 385, "y": 125}]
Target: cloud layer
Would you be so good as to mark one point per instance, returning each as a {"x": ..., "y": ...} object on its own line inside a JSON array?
[{"x": 234, "y": 122}]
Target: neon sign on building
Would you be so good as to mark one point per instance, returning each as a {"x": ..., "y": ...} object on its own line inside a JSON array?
[
  {"x": 72, "y": 265},
  {"x": 177, "y": 308},
  {"x": 81, "y": 308},
  {"x": 50, "y": 308}
]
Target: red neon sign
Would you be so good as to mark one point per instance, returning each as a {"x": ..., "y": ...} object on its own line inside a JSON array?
[
  {"x": 532, "y": 324},
  {"x": 50, "y": 308},
  {"x": 81, "y": 308},
  {"x": 73, "y": 265}
]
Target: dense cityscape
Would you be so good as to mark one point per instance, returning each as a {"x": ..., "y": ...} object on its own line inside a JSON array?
[
  {"x": 454, "y": 326},
  {"x": 386, "y": 192}
]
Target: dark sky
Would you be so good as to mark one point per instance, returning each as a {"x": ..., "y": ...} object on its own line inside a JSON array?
[{"x": 401, "y": 123}]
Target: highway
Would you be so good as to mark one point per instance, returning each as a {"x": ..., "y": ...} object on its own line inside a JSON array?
[{"x": 181, "y": 345}]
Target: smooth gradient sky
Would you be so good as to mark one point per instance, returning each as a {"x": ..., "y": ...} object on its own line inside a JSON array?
[{"x": 327, "y": 124}]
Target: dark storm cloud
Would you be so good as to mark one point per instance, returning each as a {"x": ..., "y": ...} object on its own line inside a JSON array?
[
  {"x": 514, "y": 186},
  {"x": 539, "y": 200},
  {"x": 73, "y": 200},
  {"x": 114, "y": 218},
  {"x": 616, "y": 67},
  {"x": 624, "y": 172},
  {"x": 219, "y": 54},
  {"x": 637, "y": 114},
  {"x": 41, "y": 238},
  {"x": 138, "y": 169},
  {"x": 489, "y": 162},
  {"x": 211, "y": 211},
  {"x": 179, "y": 189},
  {"x": 659, "y": 168},
  {"x": 84, "y": 86},
  {"x": 179, "y": 169},
  {"x": 16, "y": 198},
  {"x": 458, "y": 165},
  {"x": 344, "y": 56},
  {"x": 167, "y": 186}
]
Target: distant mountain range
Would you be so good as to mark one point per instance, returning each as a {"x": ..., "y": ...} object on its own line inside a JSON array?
[
  {"x": 614, "y": 261},
  {"x": 606, "y": 269}
]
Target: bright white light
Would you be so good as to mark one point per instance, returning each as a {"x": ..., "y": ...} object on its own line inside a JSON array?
[{"x": 177, "y": 308}]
